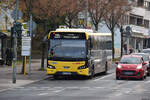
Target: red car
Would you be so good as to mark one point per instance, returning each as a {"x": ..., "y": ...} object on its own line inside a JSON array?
[{"x": 131, "y": 66}]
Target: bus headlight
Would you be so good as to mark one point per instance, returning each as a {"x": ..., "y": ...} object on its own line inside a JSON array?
[
  {"x": 51, "y": 67},
  {"x": 82, "y": 67}
]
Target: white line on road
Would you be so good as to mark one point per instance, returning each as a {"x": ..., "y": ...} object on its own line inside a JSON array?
[
  {"x": 41, "y": 94},
  {"x": 103, "y": 77},
  {"x": 147, "y": 82},
  {"x": 58, "y": 90}
]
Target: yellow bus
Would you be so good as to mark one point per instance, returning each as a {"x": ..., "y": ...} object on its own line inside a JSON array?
[{"x": 77, "y": 52}]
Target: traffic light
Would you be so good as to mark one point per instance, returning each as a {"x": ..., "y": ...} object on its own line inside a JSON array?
[{"x": 18, "y": 28}]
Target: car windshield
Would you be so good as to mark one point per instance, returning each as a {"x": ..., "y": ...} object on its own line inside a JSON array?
[
  {"x": 68, "y": 48},
  {"x": 130, "y": 60}
]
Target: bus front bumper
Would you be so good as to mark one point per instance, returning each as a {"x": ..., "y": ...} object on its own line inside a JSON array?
[{"x": 84, "y": 72}]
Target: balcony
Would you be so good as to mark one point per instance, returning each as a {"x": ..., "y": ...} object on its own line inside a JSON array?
[
  {"x": 138, "y": 31},
  {"x": 138, "y": 11}
]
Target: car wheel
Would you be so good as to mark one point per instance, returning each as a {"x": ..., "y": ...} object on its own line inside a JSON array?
[
  {"x": 145, "y": 75},
  {"x": 117, "y": 78},
  {"x": 142, "y": 78}
]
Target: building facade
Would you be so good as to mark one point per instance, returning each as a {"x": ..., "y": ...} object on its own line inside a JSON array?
[{"x": 138, "y": 19}]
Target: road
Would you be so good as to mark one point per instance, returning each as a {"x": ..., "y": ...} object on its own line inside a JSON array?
[{"x": 101, "y": 87}]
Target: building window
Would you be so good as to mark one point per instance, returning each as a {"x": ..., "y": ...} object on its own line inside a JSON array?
[
  {"x": 146, "y": 4},
  {"x": 146, "y": 23},
  {"x": 132, "y": 20},
  {"x": 139, "y": 21},
  {"x": 140, "y": 3}
]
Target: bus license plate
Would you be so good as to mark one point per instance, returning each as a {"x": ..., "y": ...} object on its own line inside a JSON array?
[{"x": 66, "y": 73}]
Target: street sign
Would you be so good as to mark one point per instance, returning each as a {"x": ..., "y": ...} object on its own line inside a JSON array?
[
  {"x": 128, "y": 28},
  {"x": 19, "y": 14},
  {"x": 25, "y": 30},
  {"x": 26, "y": 46}
]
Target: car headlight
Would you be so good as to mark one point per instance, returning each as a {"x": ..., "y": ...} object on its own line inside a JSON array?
[
  {"x": 51, "y": 67},
  {"x": 139, "y": 67},
  {"x": 119, "y": 66}
]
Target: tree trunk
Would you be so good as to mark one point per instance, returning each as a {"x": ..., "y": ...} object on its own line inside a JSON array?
[
  {"x": 121, "y": 44},
  {"x": 96, "y": 27},
  {"x": 70, "y": 23},
  {"x": 113, "y": 49}
]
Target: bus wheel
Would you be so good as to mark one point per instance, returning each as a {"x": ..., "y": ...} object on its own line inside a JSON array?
[
  {"x": 92, "y": 73},
  {"x": 106, "y": 68},
  {"x": 55, "y": 76}
]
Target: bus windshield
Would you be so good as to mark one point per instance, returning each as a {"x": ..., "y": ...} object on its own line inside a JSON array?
[{"x": 67, "y": 48}]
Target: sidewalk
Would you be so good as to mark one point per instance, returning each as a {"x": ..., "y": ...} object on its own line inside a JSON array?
[{"x": 6, "y": 75}]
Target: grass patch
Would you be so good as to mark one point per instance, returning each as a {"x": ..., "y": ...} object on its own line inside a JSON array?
[{"x": 116, "y": 59}]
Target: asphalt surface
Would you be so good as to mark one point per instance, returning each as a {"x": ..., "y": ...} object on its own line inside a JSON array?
[{"x": 101, "y": 87}]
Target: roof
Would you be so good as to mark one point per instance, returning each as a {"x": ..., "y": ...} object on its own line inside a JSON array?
[
  {"x": 101, "y": 34},
  {"x": 138, "y": 53},
  {"x": 141, "y": 54},
  {"x": 74, "y": 30},
  {"x": 147, "y": 49},
  {"x": 132, "y": 56}
]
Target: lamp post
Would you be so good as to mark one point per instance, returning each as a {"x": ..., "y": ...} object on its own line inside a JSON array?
[
  {"x": 121, "y": 31},
  {"x": 15, "y": 46},
  {"x": 86, "y": 13}
]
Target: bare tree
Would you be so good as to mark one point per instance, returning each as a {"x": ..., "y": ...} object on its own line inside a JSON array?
[
  {"x": 5, "y": 7},
  {"x": 97, "y": 10},
  {"x": 71, "y": 10},
  {"x": 116, "y": 9}
]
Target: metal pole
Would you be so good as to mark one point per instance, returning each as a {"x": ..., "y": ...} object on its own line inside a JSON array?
[
  {"x": 15, "y": 46},
  {"x": 86, "y": 13},
  {"x": 25, "y": 60},
  {"x": 30, "y": 29},
  {"x": 127, "y": 45}
]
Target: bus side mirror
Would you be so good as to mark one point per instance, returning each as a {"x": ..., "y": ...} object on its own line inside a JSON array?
[{"x": 88, "y": 56}]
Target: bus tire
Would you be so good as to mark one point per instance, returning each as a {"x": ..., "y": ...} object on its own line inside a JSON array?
[
  {"x": 106, "y": 68},
  {"x": 55, "y": 76},
  {"x": 92, "y": 72}
]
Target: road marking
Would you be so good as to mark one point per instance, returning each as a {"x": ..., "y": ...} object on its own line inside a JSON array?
[
  {"x": 58, "y": 87},
  {"x": 147, "y": 82},
  {"x": 56, "y": 91},
  {"x": 118, "y": 94},
  {"x": 103, "y": 77},
  {"x": 41, "y": 94},
  {"x": 72, "y": 87},
  {"x": 6, "y": 89}
]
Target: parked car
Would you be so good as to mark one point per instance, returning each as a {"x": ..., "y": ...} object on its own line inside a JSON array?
[
  {"x": 146, "y": 59},
  {"x": 131, "y": 66},
  {"x": 146, "y": 51}
]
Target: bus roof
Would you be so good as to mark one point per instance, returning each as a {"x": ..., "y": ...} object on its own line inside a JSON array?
[
  {"x": 74, "y": 30},
  {"x": 101, "y": 34}
]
